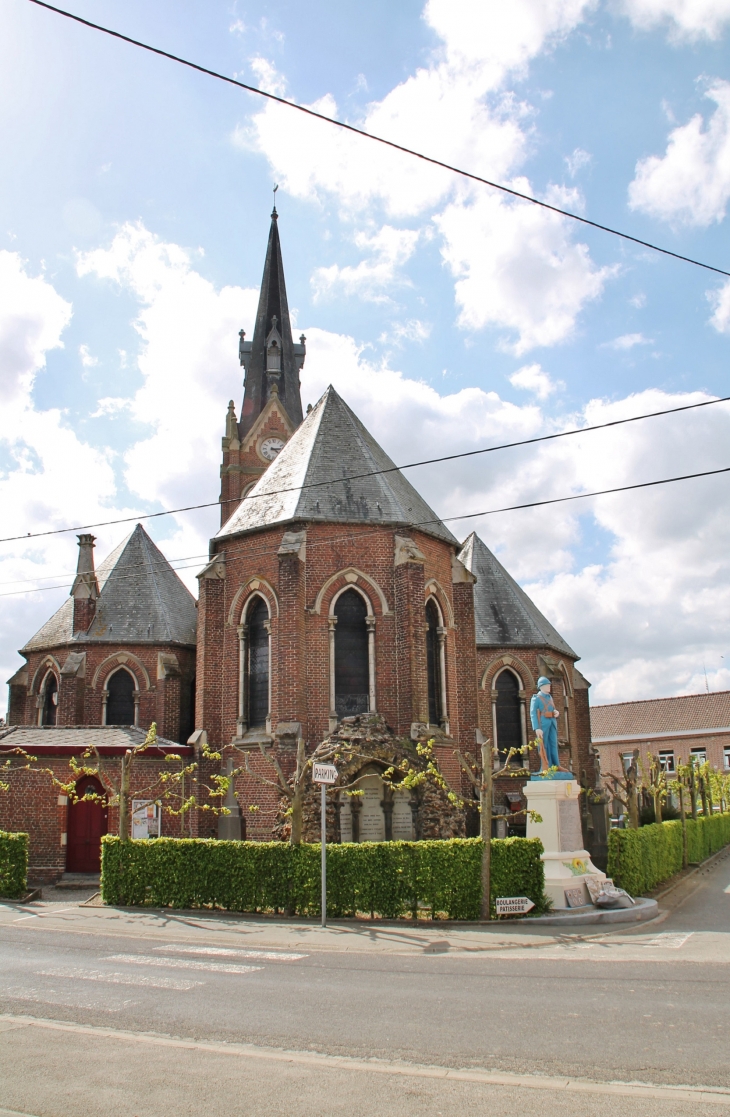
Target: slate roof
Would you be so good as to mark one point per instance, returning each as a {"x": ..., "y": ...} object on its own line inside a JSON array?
[
  {"x": 332, "y": 446},
  {"x": 142, "y": 601},
  {"x": 504, "y": 615},
  {"x": 75, "y": 737},
  {"x": 661, "y": 716}
]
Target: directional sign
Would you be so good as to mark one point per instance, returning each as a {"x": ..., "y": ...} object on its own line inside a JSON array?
[
  {"x": 513, "y": 905},
  {"x": 324, "y": 773}
]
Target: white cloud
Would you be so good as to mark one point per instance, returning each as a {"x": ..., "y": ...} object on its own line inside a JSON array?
[
  {"x": 577, "y": 161},
  {"x": 413, "y": 330},
  {"x": 686, "y": 20},
  {"x": 86, "y": 358},
  {"x": 391, "y": 249},
  {"x": 188, "y": 363},
  {"x": 690, "y": 183},
  {"x": 533, "y": 378},
  {"x": 268, "y": 77},
  {"x": 627, "y": 341},
  {"x": 453, "y": 109},
  {"x": 50, "y": 479},
  {"x": 515, "y": 266},
  {"x": 32, "y": 318},
  {"x": 110, "y": 405},
  {"x": 720, "y": 299}
]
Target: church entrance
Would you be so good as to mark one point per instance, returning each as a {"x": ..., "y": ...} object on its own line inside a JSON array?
[{"x": 87, "y": 823}]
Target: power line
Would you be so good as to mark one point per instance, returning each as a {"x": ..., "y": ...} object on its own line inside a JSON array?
[
  {"x": 99, "y": 572},
  {"x": 372, "y": 473},
  {"x": 377, "y": 139},
  {"x": 445, "y": 519},
  {"x": 119, "y": 578}
]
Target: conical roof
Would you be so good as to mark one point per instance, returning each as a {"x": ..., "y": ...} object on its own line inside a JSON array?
[
  {"x": 273, "y": 309},
  {"x": 318, "y": 476},
  {"x": 141, "y": 601},
  {"x": 504, "y": 615}
]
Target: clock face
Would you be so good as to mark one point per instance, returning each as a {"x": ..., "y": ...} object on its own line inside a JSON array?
[{"x": 270, "y": 447}]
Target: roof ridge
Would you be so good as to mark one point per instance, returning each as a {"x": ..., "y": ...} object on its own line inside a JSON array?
[{"x": 646, "y": 701}]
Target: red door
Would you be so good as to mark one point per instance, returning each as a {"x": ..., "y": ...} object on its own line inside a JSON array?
[{"x": 87, "y": 822}]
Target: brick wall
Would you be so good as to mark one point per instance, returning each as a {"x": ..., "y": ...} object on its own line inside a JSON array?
[{"x": 164, "y": 693}]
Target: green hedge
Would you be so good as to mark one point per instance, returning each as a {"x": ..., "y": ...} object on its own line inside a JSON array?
[
  {"x": 639, "y": 860},
  {"x": 13, "y": 864},
  {"x": 389, "y": 879}
]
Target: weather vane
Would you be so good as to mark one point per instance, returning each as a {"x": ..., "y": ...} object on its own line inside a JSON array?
[{"x": 275, "y": 189}]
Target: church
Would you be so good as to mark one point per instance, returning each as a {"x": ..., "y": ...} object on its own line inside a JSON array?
[{"x": 336, "y": 608}]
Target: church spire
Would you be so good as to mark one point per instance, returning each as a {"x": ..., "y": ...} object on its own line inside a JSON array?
[{"x": 272, "y": 361}]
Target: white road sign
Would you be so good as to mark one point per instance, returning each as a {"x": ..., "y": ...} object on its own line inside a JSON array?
[
  {"x": 513, "y": 905},
  {"x": 324, "y": 773}
]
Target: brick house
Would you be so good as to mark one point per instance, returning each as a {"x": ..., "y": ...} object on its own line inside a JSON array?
[
  {"x": 674, "y": 729},
  {"x": 335, "y": 601}
]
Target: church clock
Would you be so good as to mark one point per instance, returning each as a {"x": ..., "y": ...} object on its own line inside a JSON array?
[{"x": 270, "y": 447}]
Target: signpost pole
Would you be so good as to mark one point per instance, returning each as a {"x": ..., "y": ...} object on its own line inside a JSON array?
[{"x": 323, "y": 788}]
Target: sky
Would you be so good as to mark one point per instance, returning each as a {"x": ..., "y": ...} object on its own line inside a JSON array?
[{"x": 134, "y": 211}]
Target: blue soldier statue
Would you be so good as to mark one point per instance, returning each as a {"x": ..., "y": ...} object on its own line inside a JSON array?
[{"x": 544, "y": 718}]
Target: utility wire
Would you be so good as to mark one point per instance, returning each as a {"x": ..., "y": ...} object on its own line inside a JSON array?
[
  {"x": 99, "y": 572},
  {"x": 372, "y": 473},
  {"x": 441, "y": 520},
  {"x": 377, "y": 139}
]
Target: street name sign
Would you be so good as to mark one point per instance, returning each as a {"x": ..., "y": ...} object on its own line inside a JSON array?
[
  {"x": 324, "y": 773},
  {"x": 513, "y": 905}
]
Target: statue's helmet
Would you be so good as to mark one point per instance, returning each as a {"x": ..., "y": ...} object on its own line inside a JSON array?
[{"x": 542, "y": 681}]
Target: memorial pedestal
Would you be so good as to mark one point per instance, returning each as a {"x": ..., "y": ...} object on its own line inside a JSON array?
[{"x": 567, "y": 864}]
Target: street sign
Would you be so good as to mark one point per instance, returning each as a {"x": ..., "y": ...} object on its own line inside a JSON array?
[
  {"x": 513, "y": 905},
  {"x": 324, "y": 773}
]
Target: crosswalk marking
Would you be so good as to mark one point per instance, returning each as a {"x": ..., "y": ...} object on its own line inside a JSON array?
[
  {"x": 156, "y": 982},
  {"x": 229, "y": 952},
  {"x": 181, "y": 963},
  {"x": 669, "y": 940}
]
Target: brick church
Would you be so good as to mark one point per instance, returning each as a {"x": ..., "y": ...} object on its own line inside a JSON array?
[{"x": 335, "y": 607}]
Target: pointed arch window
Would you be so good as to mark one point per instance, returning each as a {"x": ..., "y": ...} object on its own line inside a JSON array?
[
  {"x": 352, "y": 669},
  {"x": 436, "y": 666},
  {"x": 49, "y": 709},
  {"x": 258, "y": 664},
  {"x": 120, "y": 698},
  {"x": 508, "y": 715}
]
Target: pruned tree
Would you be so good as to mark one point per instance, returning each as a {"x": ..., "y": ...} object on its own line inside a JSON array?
[{"x": 167, "y": 787}]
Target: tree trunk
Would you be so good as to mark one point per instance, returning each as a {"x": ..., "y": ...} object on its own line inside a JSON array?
[
  {"x": 683, "y": 816},
  {"x": 485, "y": 797},
  {"x": 124, "y": 797},
  {"x": 296, "y": 803},
  {"x": 703, "y": 793},
  {"x": 693, "y": 792}
]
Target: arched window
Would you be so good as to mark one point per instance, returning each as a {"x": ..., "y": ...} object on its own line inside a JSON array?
[
  {"x": 352, "y": 675},
  {"x": 257, "y": 699},
  {"x": 509, "y": 715},
  {"x": 433, "y": 664},
  {"x": 120, "y": 702},
  {"x": 50, "y": 700}
]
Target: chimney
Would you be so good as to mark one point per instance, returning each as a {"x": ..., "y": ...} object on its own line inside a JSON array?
[{"x": 85, "y": 589}]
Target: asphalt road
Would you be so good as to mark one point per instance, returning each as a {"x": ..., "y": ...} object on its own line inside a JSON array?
[{"x": 123, "y": 1014}]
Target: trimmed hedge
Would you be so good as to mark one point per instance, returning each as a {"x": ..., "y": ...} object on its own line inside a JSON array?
[
  {"x": 639, "y": 860},
  {"x": 13, "y": 864},
  {"x": 389, "y": 879}
]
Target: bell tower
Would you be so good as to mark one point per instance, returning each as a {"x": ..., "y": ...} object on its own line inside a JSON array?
[{"x": 272, "y": 403}]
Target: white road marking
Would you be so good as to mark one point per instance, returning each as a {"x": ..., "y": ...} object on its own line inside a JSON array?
[
  {"x": 727, "y": 889},
  {"x": 58, "y": 997},
  {"x": 222, "y": 951},
  {"x": 669, "y": 941},
  {"x": 78, "y": 974},
  {"x": 712, "y": 1095},
  {"x": 181, "y": 963},
  {"x": 41, "y": 914}
]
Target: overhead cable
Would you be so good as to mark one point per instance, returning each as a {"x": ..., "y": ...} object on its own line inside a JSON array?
[
  {"x": 377, "y": 139},
  {"x": 371, "y": 473},
  {"x": 329, "y": 542}
]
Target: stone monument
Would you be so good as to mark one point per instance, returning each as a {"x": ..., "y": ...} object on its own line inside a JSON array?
[{"x": 554, "y": 795}]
